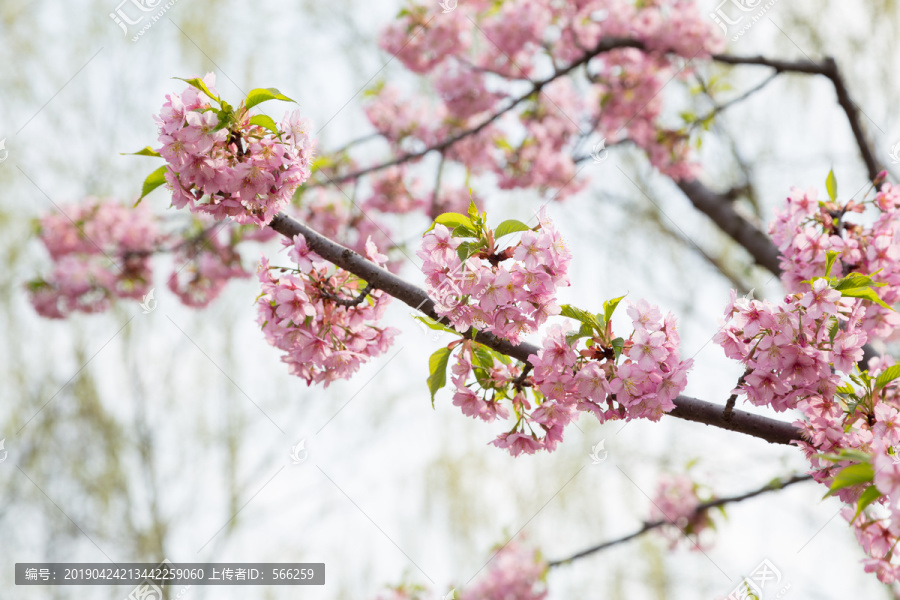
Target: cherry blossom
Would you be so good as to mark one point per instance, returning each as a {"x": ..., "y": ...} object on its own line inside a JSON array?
[
  {"x": 101, "y": 250},
  {"x": 321, "y": 318},
  {"x": 237, "y": 168}
]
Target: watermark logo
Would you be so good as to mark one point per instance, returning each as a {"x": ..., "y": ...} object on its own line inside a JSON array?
[
  {"x": 599, "y": 153},
  {"x": 448, "y": 5},
  {"x": 598, "y": 453},
  {"x": 3, "y": 452},
  {"x": 4, "y": 153},
  {"x": 752, "y": 586},
  {"x": 448, "y": 295},
  {"x": 150, "y": 590},
  {"x": 148, "y": 303},
  {"x": 736, "y": 17},
  {"x": 299, "y": 453},
  {"x": 895, "y": 152},
  {"x": 146, "y": 591},
  {"x": 135, "y": 15}
]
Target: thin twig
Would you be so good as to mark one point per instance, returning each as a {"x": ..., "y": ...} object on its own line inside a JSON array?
[
  {"x": 605, "y": 45},
  {"x": 827, "y": 68},
  {"x": 348, "y": 302},
  {"x": 651, "y": 525}
]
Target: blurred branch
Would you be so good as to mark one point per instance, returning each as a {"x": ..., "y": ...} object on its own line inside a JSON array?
[
  {"x": 691, "y": 409},
  {"x": 721, "y": 209},
  {"x": 827, "y": 68},
  {"x": 651, "y": 525},
  {"x": 718, "y": 108},
  {"x": 605, "y": 45}
]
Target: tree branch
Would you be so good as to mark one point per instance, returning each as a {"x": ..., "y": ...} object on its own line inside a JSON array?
[
  {"x": 605, "y": 45},
  {"x": 724, "y": 214},
  {"x": 651, "y": 525},
  {"x": 690, "y": 409},
  {"x": 827, "y": 68}
]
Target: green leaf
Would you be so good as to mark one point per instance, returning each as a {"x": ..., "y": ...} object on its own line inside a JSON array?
[
  {"x": 198, "y": 83},
  {"x": 322, "y": 162},
  {"x": 573, "y": 312},
  {"x": 847, "y": 454},
  {"x": 260, "y": 95},
  {"x": 375, "y": 89},
  {"x": 584, "y": 331},
  {"x": 509, "y": 226},
  {"x": 265, "y": 121},
  {"x": 609, "y": 307},
  {"x": 618, "y": 345},
  {"x": 462, "y": 231},
  {"x": 889, "y": 375},
  {"x": 452, "y": 220},
  {"x": 473, "y": 210},
  {"x": 850, "y": 476},
  {"x": 833, "y": 329},
  {"x": 467, "y": 249},
  {"x": 437, "y": 366},
  {"x": 865, "y": 293},
  {"x": 856, "y": 280},
  {"x": 146, "y": 151},
  {"x": 845, "y": 389},
  {"x": 153, "y": 181},
  {"x": 869, "y": 495},
  {"x": 831, "y": 185},
  {"x": 831, "y": 256},
  {"x": 432, "y": 324},
  {"x": 483, "y": 357}
]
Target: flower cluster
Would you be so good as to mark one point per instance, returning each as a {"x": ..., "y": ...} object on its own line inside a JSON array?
[
  {"x": 510, "y": 291},
  {"x": 322, "y": 318},
  {"x": 803, "y": 353},
  {"x": 676, "y": 502},
  {"x": 391, "y": 194},
  {"x": 613, "y": 378},
  {"x": 807, "y": 229},
  {"x": 227, "y": 163},
  {"x": 474, "y": 54},
  {"x": 205, "y": 261},
  {"x": 794, "y": 350},
  {"x": 514, "y": 573},
  {"x": 100, "y": 250},
  {"x": 856, "y": 433}
]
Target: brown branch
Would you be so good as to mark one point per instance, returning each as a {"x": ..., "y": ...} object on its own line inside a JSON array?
[
  {"x": 827, "y": 68},
  {"x": 724, "y": 214},
  {"x": 691, "y": 409},
  {"x": 708, "y": 413},
  {"x": 651, "y": 525},
  {"x": 605, "y": 45},
  {"x": 729, "y": 404},
  {"x": 348, "y": 302}
]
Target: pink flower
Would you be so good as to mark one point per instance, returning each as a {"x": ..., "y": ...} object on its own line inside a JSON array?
[
  {"x": 592, "y": 383},
  {"x": 887, "y": 475},
  {"x": 648, "y": 350},
  {"x": 301, "y": 254},
  {"x": 244, "y": 171},
  {"x": 644, "y": 316},
  {"x": 516, "y": 443},
  {"x": 821, "y": 300},
  {"x": 847, "y": 350}
]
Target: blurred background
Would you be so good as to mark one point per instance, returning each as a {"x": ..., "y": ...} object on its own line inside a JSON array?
[{"x": 139, "y": 437}]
